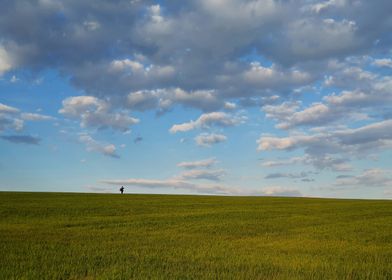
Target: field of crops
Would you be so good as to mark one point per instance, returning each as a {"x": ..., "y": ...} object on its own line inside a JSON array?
[{"x": 108, "y": 236}]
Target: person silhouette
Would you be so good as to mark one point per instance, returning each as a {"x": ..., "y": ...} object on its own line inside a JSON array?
[{"x": 122, "y": 189}]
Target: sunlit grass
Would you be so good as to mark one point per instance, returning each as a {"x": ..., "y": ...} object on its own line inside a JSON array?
[{"x": 102, "y": 236}]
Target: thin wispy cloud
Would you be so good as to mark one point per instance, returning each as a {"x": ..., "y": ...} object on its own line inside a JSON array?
[{"x": 205, "y": 163}]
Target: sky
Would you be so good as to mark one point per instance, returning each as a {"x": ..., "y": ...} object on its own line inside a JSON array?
[{"x": 250, "y": 97}]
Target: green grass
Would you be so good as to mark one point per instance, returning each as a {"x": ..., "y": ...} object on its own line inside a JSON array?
[{"x": 102, "y": 236}]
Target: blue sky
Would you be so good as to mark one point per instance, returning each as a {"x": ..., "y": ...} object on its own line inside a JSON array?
[{"x": 290, "y": 98}]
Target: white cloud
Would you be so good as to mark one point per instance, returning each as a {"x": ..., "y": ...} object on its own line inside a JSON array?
[
  {"x": 96, "y": 189},
  {"x": 316, "y": 38},
  {"x": 282, "y": 111},
  {"x": 334, "y": 163},
  {"x": 364, "y": 95},
  {"x": 94, "y": 146},
  {"x": 196, "y": 47},
  {"x": 383, "y": 62},
  {"x": 316, "y": 114},
  {"x": 210, "y": 55},
  {"x": 121, "y": 65},
  {"x": 137, "y": 69},
  {"x": 9, "y": 118},
  {"x": 351, "y": 76},
  {"x": 280, "y": 162},
  {"x": 143, "y": 100},
  {"x": 206, "y": 140},
  {"x": 164, "y": 99},
  {"x": 12, "y": 118},
  {"x": 206, "y": 163},
  {"x": 94, "y": 112},
  {"x": 230, "y": 106},
  {"x": 368, "y": 178},
  {"x": 5, "y": 61},
  {"x": 283, "y": 143},
  {"x": 207, "y": 120},
  {"x": 204, "y": 99},
  {"x": 350, "y": 100},
  {"x": 339, "y": 140},
  {"x": 91, "y": 25},
  {"x": 350, "y": 105},
  {"x": 344, "y": 142},
  {"x": 272, "y": 77},
  {"x": 8, "y": 109},
  {"x": 280, "y": 191},
  {"x": 181, "y": 181},
  {"x": 388, "y": 192},
  {"x": 319, "y": 7},
  {"x": 213, "y": 175},
  {"x": 35, "y": 117},
  {"x": 237, "y": 13}
]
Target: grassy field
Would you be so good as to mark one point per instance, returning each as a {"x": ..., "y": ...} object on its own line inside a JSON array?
[{"x": 103, "y": 236}]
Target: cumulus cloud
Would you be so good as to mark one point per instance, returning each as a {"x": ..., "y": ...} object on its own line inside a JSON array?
[
  {"x": 94, "y": 146},
  {"x": 273, "y": 77},
  {"x": 13, "y": 119},
  {"x": 164, "y": 99},
  {"x": 314, "y": 115},
  {"x": 96, "y": 113},
  {"x": 5, "y": 61},
  {"x": 136, "y": 69},
  {"x": 348, "y": 142},
  {"x": 154, "y": 46},
  {"x": 364, "y": 95},
  {"x": 207, "y": 140},
  {"x": 206, "y": 163},
  {"x": 323, "y": 35},
  {"x": 376, "y": 97},
  {"x": 207, "y": 120},
  {"x": 284, "y": 143},
  {"x": 369, "y": 136},
  {"x": 383, "y": 62},
  {"x": 10, "y": 123},
  {"x": 282, "y": 111},
  {"x": 9, "y": 118},
  {"x": 319, "y": 114},
  {"x": 215, "y": 56},
  {"x": 21, "y": 139}
]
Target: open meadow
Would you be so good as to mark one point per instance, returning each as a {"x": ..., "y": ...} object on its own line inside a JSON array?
[{"x": 112, "y": 236}]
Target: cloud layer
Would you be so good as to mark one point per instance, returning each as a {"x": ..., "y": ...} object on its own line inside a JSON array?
[
  {"x": 307, "y": 82},
  {"x": 193, "y": 47}
]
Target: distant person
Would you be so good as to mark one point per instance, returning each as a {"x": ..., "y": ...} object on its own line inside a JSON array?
[{"x": 122, "y": 189}]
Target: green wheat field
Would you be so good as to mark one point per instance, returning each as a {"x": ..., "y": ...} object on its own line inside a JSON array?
[{"x": 112, "y": 236}]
